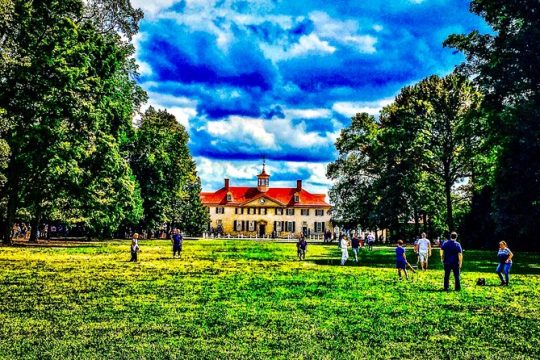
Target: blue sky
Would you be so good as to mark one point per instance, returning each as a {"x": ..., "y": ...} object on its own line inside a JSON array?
[{"x": 282, "y": 78}]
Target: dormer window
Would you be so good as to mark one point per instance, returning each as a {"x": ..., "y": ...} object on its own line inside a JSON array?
[
  {"x": 296, "y": 198},
  {"x": 229, "y": 197}
]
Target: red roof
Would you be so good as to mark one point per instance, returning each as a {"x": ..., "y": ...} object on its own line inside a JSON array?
[{"x": 283, "y": 196}]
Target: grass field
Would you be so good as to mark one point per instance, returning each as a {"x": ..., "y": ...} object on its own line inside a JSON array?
[{"x": 247, "y": 299}]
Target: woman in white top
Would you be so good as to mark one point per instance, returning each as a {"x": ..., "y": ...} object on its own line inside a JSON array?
[{"x": 344, "y": 249}]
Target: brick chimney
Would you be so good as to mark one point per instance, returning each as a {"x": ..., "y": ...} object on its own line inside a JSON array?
[
  {"x": 298, "y": 185},
  {"x": 227, "y": 184}
]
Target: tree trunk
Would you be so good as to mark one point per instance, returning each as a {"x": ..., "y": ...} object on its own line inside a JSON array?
[
  {"x": 448, "y": 194},
  {"x": 34, "y": 231},
  {"x": 416, "y": 223}
]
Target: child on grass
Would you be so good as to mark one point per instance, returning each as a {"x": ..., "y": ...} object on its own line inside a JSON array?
[{"x": 401, "y": 260}]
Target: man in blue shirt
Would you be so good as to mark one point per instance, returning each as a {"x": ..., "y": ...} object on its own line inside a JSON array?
[
  {"x": 177, "y": 242},
  {"x": 452, "y": 258}
]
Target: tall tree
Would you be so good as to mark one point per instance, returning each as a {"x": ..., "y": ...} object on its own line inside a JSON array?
[
  {"x": 412, "y": 157},
  {"x": 71, "y": 101},
  {"x": 505, "y": 66},
  {"x": 354, "y": 173},
  {"x": 170, "y": 186}
]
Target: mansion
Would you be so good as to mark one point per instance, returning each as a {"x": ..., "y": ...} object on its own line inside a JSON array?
[{"x": 264, "y": 211}]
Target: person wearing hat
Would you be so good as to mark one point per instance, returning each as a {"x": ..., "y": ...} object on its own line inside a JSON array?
[{"x": 452, "y": 258}]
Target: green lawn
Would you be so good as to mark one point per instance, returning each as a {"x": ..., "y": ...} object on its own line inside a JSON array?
[{"x": 247, "y": 299}]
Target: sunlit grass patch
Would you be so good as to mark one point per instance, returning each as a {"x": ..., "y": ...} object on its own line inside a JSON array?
[{"x": 254, "y": 299}]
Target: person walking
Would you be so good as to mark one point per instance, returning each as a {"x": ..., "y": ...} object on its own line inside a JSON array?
[
  {"x": 177, "y": 239},
  {"x": 452, "y": 258},
  {"x": 134, "y": 247},
  {"x": 301, "y": 247},
  {"x": 355, "y": 242},
  {"x": 424, "y": 251},
  {"x": 505, "y": 263},
  {"x": 401, "y": 260},
  {"x": 344, "y": 244}
]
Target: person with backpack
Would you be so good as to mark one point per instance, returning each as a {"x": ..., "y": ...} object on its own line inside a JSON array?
[{"x": 505, "y": 263}]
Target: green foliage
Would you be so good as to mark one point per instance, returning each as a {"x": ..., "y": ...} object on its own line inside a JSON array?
[
  {"x": 505, "y": 66},
  {"x": 406, "y": 165},
  {"x": 242, "y": 299},
  {"x": 71, "y": 101},
  {"x": 163, "y": 165}
]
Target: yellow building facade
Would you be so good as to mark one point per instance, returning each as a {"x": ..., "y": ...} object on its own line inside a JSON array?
[{"x": 263, "y": 211}]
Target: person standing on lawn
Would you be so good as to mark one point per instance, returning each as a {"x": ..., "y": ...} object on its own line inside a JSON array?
[
  {"x": 505, "y": 263},
  {"x": 134, "y": 247},
  {"x": 452, "y": 258},
  {"x": 424, "y": 251},
  {"x": 355, "y": 242},
  {"x": 301, "y": 247},
  {"x": 370, "y": 241},
  {"x": 344, "y": 244},
  {"x": 401, "y": 260},
  {"x": 177, "y": 243}
]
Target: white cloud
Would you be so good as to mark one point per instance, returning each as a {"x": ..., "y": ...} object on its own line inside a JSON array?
[
  {"x": 246, "y": 131},
  {"x": 364, "y": 43},
  {"x": 309, "y": 44},
  {"x": 352, "y": 108},
  {"x": 152, "y": 7},
  {"x": 307, "y": 113}
]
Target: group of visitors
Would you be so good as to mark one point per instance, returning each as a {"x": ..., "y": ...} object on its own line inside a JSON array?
[
  {"x": 451, "y": 254},
  {"x": 176, "y": 240}
]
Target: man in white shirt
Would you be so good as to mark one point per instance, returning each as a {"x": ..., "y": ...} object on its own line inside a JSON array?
[{"x": 424, "y": 251}]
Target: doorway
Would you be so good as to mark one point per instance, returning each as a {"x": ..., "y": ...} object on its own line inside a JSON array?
[{"x": 262, "y": 230}]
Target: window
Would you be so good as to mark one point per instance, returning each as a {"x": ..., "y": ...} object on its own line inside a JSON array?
[
  {"x": 238, "y": 211},
  {"x": 279, "y": 211},
  {"x": 229, "y": 197},
  {"x": 238, "y": 225},
  {"x": 251, "y": 226},
  {"x": 319, "y": 212},
  {"x": 304, "y": 212},
  {"x": 319, "y": 227},
  {"x": 290, "y": 226},
  {"x": 251, "y": 211},
  {"x": 278, "y": 226},
  {"x": 290, "y": 211},
  {"x": 220, "y": 210},
  {"x": 296, "y": 198},
  {"x": 262, "y": 211}
]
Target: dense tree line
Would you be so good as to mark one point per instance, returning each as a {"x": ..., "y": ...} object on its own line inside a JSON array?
[
  {"x": 455, "y": 153},
  {"x": 69, "y": 151}
]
